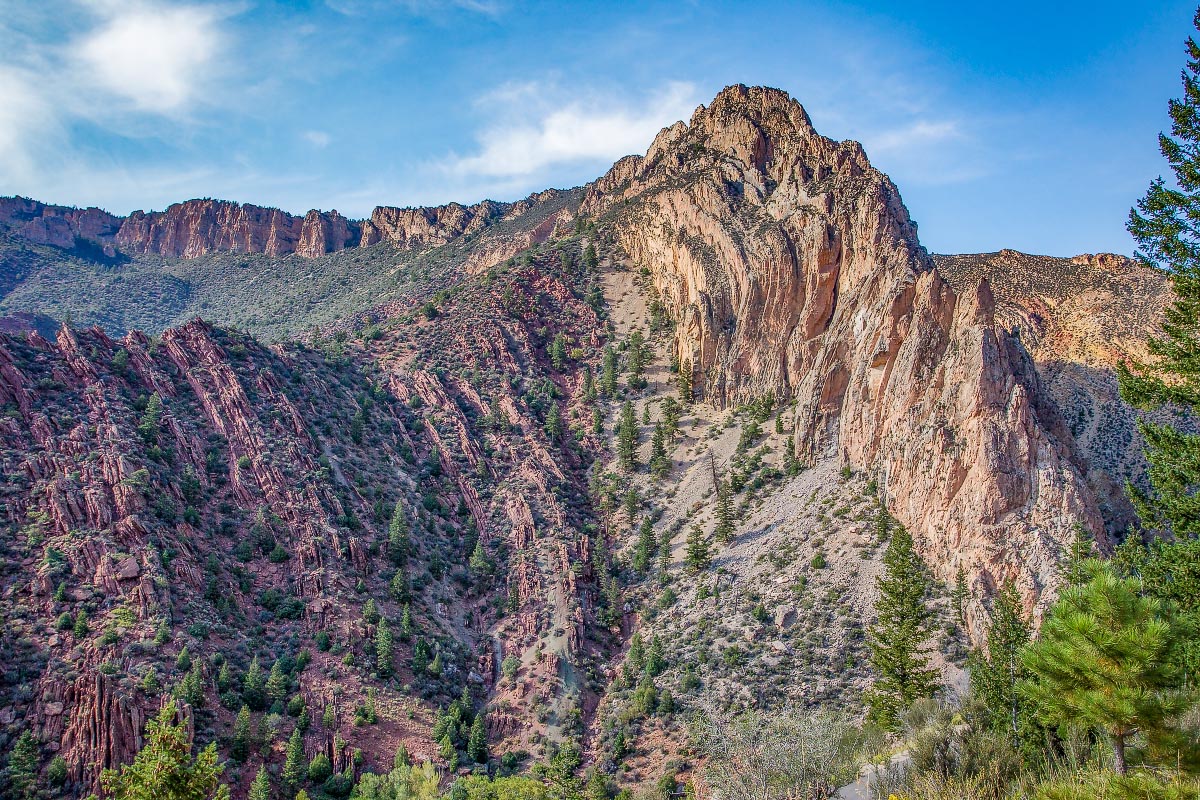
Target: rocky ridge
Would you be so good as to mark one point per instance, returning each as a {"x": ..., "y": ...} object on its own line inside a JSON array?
[{"x": 198, "y": 227}]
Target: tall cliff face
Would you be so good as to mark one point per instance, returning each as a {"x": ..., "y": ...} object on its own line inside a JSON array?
[
  {"x": 196, "y": 228},
  {"x": 794, "y": 270}
]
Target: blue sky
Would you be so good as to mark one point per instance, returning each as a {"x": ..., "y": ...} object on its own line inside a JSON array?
[{"x": 1024, "y": 125}]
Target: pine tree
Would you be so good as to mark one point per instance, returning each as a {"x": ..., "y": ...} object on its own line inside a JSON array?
[
  {"x": 959, "y": 596},
  {"x": 1079, "y": 556},
  {"x": 479, "y": 562},
  {"x": 277, "y": 683},
  {"x": 590, "y": 259},
  {"x": 477, "y": 742},
  {"x": 23, "y": 766},
  {"x": 1108, "y": 659},
  {"x": 897, "y": 640},
  {"x": 608, "y": 374},
  {"x": 406, "y": 622},
  {"x": 683, "y": 382},
  {"x": 148, "y": 427},
  {"x": 239, "y": 748},
  {"x": 646, "y": 548},
  {"x": 398, "y": 537},
  {"x": 1167, "y": 228},
  {"x": 660, "y": 463},
  {"x": 627, "y": 436},
  {"x": 399, "y": 588},
  {"x": 631, "y": 501},
  {"x": 791, "y": 464},
  {"x": 664, "y": 554},
  {"x": 383, "y": 648},
  {"x": 725, "y": 526},
  {"x": 260, "y": 789},
  {"x": 553, "y": 424},
  {"x": 294, "y": 768},
  {"x": 697, "y": 555},
  {"x": 997, "y": 670},
  {"x": 164, "y": 767},
  {"x": 370, "y": 613},
  {"x": 558, "y": 351},
  {"x": 254, "y": 686},
  {"x": 183, "y": 662}
]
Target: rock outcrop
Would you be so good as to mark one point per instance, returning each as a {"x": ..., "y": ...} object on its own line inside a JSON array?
[
  {"x": 793, "y": 269},
  {"x": 198, "y": 227}
]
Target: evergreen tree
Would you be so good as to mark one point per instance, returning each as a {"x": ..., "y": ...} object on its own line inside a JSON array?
[
  {"x": 683, "y": 382},
  {"x": 477, "y": 742},
  {"x": 627, "y": 436},
  {"x": 294, "y": 768},
  {"x": 660, "y": 462},
  {"x": 398, "y": 537},
  {"x": 254, "y": 686},
  {"x": 383, "y": 648},
  {"x": 791, "y": 464},
  {"x": 320, "y": 768},
  {"x": 558, "y": 351},
  {"x": 553, "y": 424},
  {"x": 724, "y": 514},
  {"x": 698, "y": 555},
  {"x": 1167, "y": 228},
  {"x": 23, "y": 766},
  {"x": 370, "y": 613},
  {"x": 997, "y": 670},
  {"x": 1079, "y": 557},
  {"x": 897, "y": 640},
  {"x": 165, "y": 768},
  {"x": 479, "y": 562},
  {"x": 647, "y": 546},
  {"x": 148, "y": 427},
  {"x": 399, "y": 587},
  {"x": 597, "y": 421},
  {"x": 260, "y": 789},
  {"x": 183, "y": 662},
  {"x": 959, "y": 597},
  {"x": 631, "y": 501},
  {"x": 590, "y": 259},
  {"x": 277, "y": 683},
  {"x": 1108, "y": 659},
  {"x": 239, "y": 748},
  {"x": 406, "y": 623},
  {"x": 608, "y": 373},
  {"x": 664, "y": 554}
]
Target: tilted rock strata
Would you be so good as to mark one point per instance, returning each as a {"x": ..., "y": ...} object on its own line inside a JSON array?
[{"x": 794, "y": 270}]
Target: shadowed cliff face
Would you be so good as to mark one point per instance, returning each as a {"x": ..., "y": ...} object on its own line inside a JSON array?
[{"x": 794, "y": 271}]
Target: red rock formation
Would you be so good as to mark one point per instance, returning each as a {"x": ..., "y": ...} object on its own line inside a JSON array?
[{"x": 794, "y": 270}]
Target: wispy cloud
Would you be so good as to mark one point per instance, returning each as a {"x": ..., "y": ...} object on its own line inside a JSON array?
[
  {"x": 119, "y": 67},
  {"x": 318, "y": 139},
  {"x": 534, "y": 127},
  {"x": 417, "y": 7},
  {"x": 153, "y": 55}
]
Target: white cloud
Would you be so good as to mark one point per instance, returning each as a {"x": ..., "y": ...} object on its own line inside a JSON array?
[
  {"x": 921, "y": 133},
  {"x": 318, "y": 139},
  {"x": 151, "y": 54},
  {"x": 418, "y": 7},
  {"x": 536, "y": 127}
]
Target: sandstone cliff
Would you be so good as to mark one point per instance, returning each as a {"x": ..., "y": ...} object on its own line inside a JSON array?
[{"x": 794, "y": 270}]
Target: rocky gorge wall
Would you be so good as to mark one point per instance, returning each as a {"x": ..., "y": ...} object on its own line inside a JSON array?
[{"x": 793, "y": 269}]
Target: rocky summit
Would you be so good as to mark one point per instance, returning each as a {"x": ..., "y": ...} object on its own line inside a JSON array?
[{"x": 371, "y": 479}]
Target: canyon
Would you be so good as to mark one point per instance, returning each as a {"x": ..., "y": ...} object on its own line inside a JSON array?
[{"x": 230, "y": 485}]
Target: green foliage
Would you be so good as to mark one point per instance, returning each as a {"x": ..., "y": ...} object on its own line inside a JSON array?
[
  {"x": 698, "y": 553},
  {"x": 383, "y": 648},
  {"x": 293, "y": 765},
  {"x": 553, "y": 423},
  {"x": 23, "y": 766},
  {"x": 477, "y": 742},
  {"x": 320, "y": 768},
  {"x": 627, "y": 438},
  {"x": 254, "y": 686},
  {"x": 399, "y": 544},
  {"x": 608, "y": 373},
  {"x": 260, "y": 789},
  {"x": 278, "y": 683},
  {"x": 897, "y": 639},
  {"x": 683, "y": 382},
  {"x": 151, "y": 417},
  {"x": 997, "y": 671},
  {"x": 165, "y": 768},
  {"x": 239, "y": 748},
  {"x": 660, "y": 462},
  {"x": 1108, "y": 659},
  {"x": 725, "y": 526},
  {"x": 647, "y": 546},
  {"x": 558, "y": 351}
]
